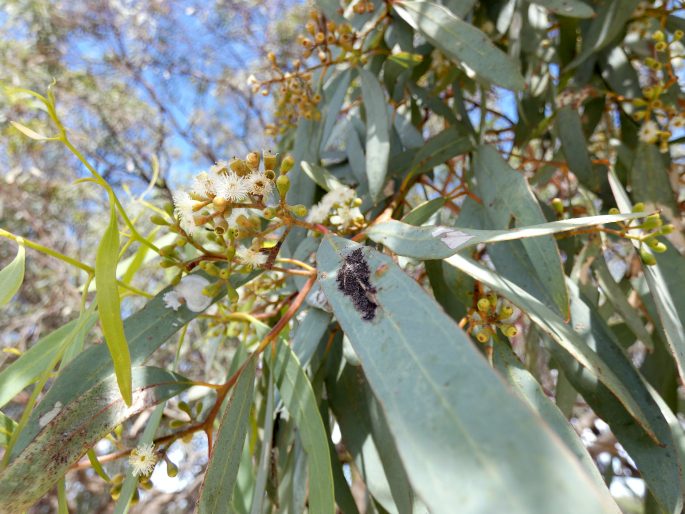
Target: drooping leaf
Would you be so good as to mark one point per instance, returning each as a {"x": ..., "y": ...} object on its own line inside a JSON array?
[
  {"x": 574, "y": 145},
  {"x": 321, "y": 176},
  {"x": 32, "y": 363},
  {"x": 660, "y": 465},
  {"x": 423, "y": 212},
  {"x": 610, "y": 21},
  {"x": 68, "y": 431},
  {"x": 562, "y": 334},
  {"x": 300, "y": 401},
  {"x": 377, "y": 132},
  {"x": 439, "y": 242},
  {"x": 217, "y": 486},
  {"x": 334, "y": 93},
  {"x": 264, "y": 466},
  {"x": 12, "y": 275},
  {"x": 483, "y": 451},
  {"x": 109, "y": 309},
  {"x": 461, "y": 41},
  {"x": 508, "y": 202},
  {"x": 669, "y": 314},
  {"x": 649, "y": 179},
  {"x": 146, "y": 330},
  {"x": 530, "y": 390}
]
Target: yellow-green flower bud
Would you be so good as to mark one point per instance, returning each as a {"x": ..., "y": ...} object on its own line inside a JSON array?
[
  {"x": 558, "y": 205},
  {"x": 232, "y": 294},
  {"x": 509, "y": 330},
  {"x": 167, "y": 263},
  {"x": 283, "y": 185},
  {"x": 177, "y": 423},
  {"x": 656, "y": 245},
  {"x": 145, "y": 483},
  {"x": 115, "y": 492},
  {"x": 483, "y": 305},
  {"x": 158, "y": 220},
  {"x": 506, "y": 311},
  {"x": 168, "y": 250},
  {"x": 483, "y": 335},
  {"x": 658, "y": 36},
  {"x": 224, "y": 274},
  {"x": 230, "y": 252},
  {"x": 118, "y": 478},
  {"x": 614, "y": 210},
  {"x": 678, "y": 34},
  {"x": 652, "y": 221},
  {"x": 298, "y": 210},
  {"x": 667, "y": 229},
  {"x": 639, "y": 207},
  {"x": 269, "y": 213},
  {"x": 287, "y": 164},
  {"x": 647, "y": 257},
  {"x": 171, "y": 469}
]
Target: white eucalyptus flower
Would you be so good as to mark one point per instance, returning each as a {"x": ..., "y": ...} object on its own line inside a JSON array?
[
  {"x": 143, "y": 459},
  {"x": 251, "y": 257}
]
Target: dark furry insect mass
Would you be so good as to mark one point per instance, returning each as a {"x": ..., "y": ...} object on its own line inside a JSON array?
[{"x": 353, "y": 281}]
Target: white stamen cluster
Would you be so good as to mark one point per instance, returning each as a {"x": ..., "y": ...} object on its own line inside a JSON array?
[{"x": 338, "y": 208}]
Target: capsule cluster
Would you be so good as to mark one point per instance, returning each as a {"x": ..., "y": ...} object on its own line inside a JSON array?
[{"x": 490, "y": 314}]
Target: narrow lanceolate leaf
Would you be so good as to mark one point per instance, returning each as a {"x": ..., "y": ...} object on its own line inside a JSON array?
[
  {"x": 562, "y": 334},
  {"x": 30, "y": 132},
  {"x": 477, "y": 445},
  {"x": 609, "y": 22},
  {"x": 377, "y": 132},
  {"x": 530, "y": 390},
  {"x": 107, "y": 296},
  {"x": 12, "y": 275},
  {"x": 217, "y": 487},
  {"x": 298, "y": 397},
  {"x": 423, "y": 212},
  {"x": 659, "y": 464},
  {"x": 508, "y": 202},
  {"x": 461, "y": 41},
  {"x": 68, "y": 431},
  {"x": 321, "y": 176},
  {"x": 571, "y": 8},
  {"x": 146, "y": 330},
  {"x": 671, "y": 318},
  {"x": 575, "y": 147},
  {"x": 439, "y": 242},
  {"x": 32, "y": 363}
]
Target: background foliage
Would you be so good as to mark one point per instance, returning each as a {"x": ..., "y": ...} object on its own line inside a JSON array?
[{"x": 459, "y": 284}]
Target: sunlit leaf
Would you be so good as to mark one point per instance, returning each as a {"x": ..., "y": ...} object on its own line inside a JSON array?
[
  {"x": 377, "y": 132},
  {"x": 12, "y": 275}
]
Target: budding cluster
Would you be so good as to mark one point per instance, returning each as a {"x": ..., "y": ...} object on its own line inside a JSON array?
[
  {"x": 492, "y": 313},
  {"x": 657, "y": 116},
  {"x": 295, "y": 95},
  {"x": 652, "y": 227}
]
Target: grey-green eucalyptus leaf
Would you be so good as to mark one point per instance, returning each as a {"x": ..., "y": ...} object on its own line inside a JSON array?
[
  {"x": 461, "y": 41},
  {"x": 377, "y": 132},
  {"x": 439, "y": 242},
  {"x": 477, "y": 445},
  {"x": 217, "y": 486}
]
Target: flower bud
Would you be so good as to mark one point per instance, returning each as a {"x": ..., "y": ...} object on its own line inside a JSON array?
[
  {"x": 484, "y": 334},
  {"x": 287, "y": 164},
  {"x": 667, "y": 229},
  {"x": 652, "y": 221},
  {"x": 614, "y": 210},
  {"x": 269, "y": 213},
  {"x": 171, "y": 469},
  {"x": 168, "y": 250},
  {"x": 158, "y": 220},
  {"x": 283, "y": 185},
  {"x": 232, "y": 294},
  {"x": 506, "y": 311},
  {"x": 558, "y": 205},
  {"x": 639, "y": 207},
  {"x": 252, "y": 160},
  {"x": 647, "y": 257},
  {"x": 298, "y": 210},
  {"x": 483, "y": 305},
  {"x": 509, "y": 330}
]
